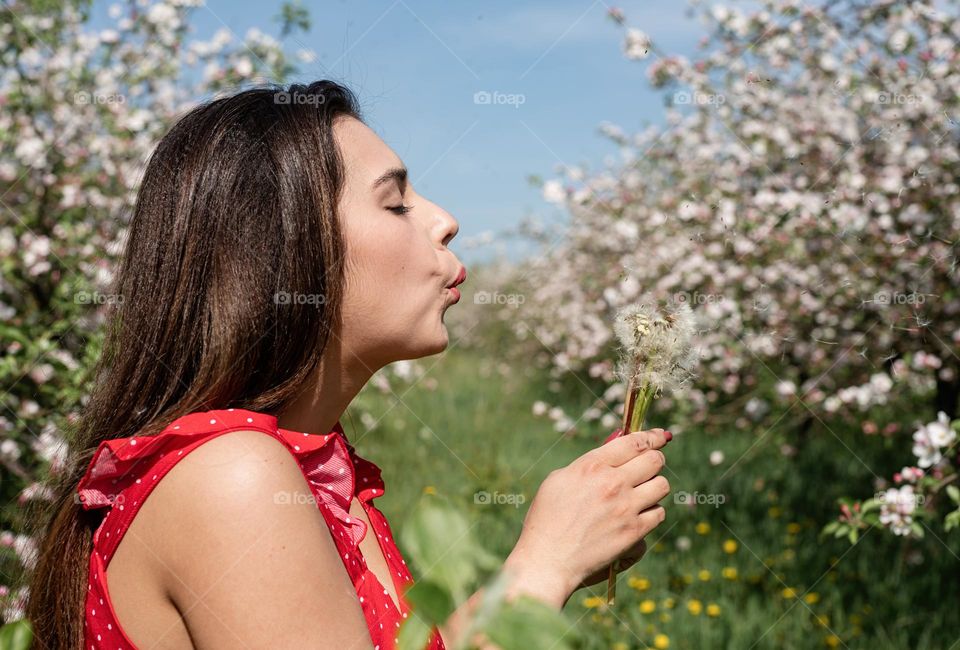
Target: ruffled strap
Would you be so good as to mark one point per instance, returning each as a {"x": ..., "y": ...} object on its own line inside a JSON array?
[{"x": 328, "y": 461}]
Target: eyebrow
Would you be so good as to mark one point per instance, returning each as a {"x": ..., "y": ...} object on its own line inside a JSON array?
[{"x": 398, "y": 174}]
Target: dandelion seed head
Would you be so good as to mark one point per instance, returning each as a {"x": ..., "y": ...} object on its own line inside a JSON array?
[{"x": 656, "y": 344}]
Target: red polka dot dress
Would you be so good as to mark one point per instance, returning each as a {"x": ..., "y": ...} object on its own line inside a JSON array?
[{"x": 123, "y": 471}]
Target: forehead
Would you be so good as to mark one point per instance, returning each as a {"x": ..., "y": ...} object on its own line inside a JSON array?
[{"x": 365, "y": 155}]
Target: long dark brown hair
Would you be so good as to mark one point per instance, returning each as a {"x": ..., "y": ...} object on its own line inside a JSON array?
[{"x": 237, "y": 211}]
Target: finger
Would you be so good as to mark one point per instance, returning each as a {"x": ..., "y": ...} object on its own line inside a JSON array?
[
  {"x": 644, "y": 467},
  {"x": 622, "y": 449},
  {"x": 615, "y": 434},
  {"x": 631, "y": 556},
  {"x": 647, "y": 495}
]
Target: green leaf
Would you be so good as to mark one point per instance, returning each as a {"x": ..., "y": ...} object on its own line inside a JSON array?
[
  {"x": 530, "y": 623},
  {"x": 414, "y": 634},
  {"x": 951, "y": 521},
  {"x": 431, "y": 602},
  {"x": 440, "y": 537},
  {"x": 17, "y": 635},
  {"x": 854, "y": 535},
  {"x": 954, "y": 493},
  {"x": 870, "y": 504}
]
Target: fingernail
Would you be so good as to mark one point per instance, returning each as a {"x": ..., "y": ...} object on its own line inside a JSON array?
[{"x": 668, "y": 435}]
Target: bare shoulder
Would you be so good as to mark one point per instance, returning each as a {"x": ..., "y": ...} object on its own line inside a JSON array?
[{"x": 248, "y": 555}]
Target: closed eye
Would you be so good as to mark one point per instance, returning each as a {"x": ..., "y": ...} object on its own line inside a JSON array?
[{"x": 400, "y": 209}]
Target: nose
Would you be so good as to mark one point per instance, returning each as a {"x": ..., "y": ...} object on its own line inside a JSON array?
[{"x": 447, "y": 226}]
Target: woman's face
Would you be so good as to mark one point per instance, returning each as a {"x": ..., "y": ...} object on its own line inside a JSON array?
[{"x": 398, "y": 266}]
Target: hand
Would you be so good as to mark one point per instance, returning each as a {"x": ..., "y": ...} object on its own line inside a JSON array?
[{"x": 596, "y": 510}]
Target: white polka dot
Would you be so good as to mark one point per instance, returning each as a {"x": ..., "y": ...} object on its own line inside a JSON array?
[
  {"x": 176, "y": 426},
  {"x": 212, "y": 421},
  {"x": 249, "y": 419},
  {"x": 133, "y": 442}
]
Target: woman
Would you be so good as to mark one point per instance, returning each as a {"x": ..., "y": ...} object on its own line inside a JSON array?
[{"x": 277, "y": 257}]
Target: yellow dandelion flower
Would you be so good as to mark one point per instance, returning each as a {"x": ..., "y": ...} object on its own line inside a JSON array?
[
  {"x": 620, "y": 645},
  {"x": 811, "y": 598},
  {"x": 793, "y": 528},
  {"x": 713, "y": 610},
  {"x": 669, "y": 602},
  {"x": 664, "y": 617},
  {"x": 661, "y": 641},
  {"x": 822, "y": 620},
  {"x": 789, "y": 592},
  {"x": 832, "y": 641},
  {"x": 704, "y": 575},
  {"x": 774, "y": 512},
  {"x": 729, "y": 572},
  {"x": 429, "y": 490},
  {"x": 730, "y": 546},
  {"x": 640, "y": 584},
  {"x": 695, "y": 607},
  {"x": 594, "y": 601},
  {"x": 647, "y": 606},
  {"x": 687, "y": 578},
  {"x": 702, "y": 528}
]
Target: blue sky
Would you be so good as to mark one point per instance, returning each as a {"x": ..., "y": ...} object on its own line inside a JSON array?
[{"x": 416, "y": 67}]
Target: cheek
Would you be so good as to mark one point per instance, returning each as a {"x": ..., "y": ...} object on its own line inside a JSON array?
[{"x": 390, "y": 274}]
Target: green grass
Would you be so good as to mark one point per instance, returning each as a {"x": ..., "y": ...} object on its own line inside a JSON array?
[{"x": 475, "y": 431}]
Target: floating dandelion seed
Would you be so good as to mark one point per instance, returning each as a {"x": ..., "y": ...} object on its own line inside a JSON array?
[{"x": 656, "y": 355}]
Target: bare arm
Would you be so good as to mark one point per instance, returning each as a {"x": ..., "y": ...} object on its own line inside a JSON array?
[
  {"x": 586, "y": 515},
  {"x": 248, "y": 569}
]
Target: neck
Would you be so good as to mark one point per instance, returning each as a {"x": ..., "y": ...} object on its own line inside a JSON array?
[{"x": 326, "y": 395}]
